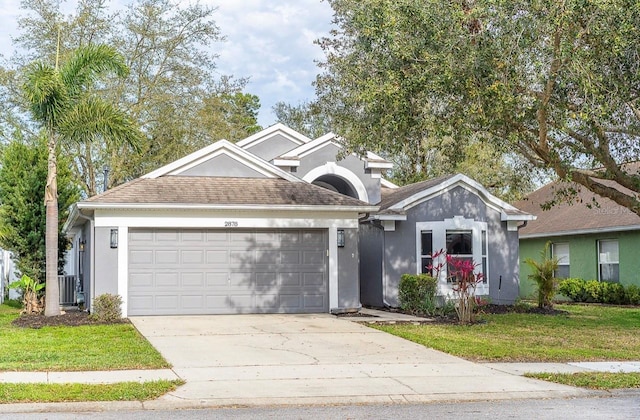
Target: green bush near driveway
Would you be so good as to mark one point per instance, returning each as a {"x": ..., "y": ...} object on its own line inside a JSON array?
[
  {"x": 417, "y": 293},
  {"x": 594, "y": 291},
  {"x": 86, "y": 347}
]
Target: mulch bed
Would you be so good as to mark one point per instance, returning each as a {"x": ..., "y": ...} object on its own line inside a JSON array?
[{"x": 71, "y": 318}]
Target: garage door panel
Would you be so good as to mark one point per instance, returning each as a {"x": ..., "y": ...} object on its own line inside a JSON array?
[
  {"x": 313, "y": 257},
  {"x": 166, "y": 257},
  {"x": 313, "y": 279},
  {"x": 192, "y": 280},
  {"x": 141, "y": 257},
  {"x": 215, "y": 279},
  {"x": 166, "y": 236},
  {"x": 182, "y": 271},
  {"x": 314, "y": 302},
  {"x": 167, "y": 280}
]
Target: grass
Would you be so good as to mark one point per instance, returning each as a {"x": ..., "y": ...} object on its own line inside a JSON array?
[
  {"x": 592, "y": 380},
  {"x": 123, "y": 391},
  {"x": 87, "y": 347},
  {"x": 588, "y": 333}
]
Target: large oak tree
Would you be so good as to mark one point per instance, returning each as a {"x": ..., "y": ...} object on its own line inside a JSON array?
[{"x": 555, "y": 81}]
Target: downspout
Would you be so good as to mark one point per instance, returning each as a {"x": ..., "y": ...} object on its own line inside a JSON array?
[
  {"x": 523, "y": 225},
  {"x": 91, "y": 260}
]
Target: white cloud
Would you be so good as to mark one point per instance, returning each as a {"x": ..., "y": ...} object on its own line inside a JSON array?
[{"x": 270, "y": 42}]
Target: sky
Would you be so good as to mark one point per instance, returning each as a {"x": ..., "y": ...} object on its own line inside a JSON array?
[{"x": 268, "y": 41}]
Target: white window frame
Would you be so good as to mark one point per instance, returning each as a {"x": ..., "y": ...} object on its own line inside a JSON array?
[
  {"x": 601, "y": 262},
  {"x": 565, "y": 259},
  {"x": 439, "y": 235}
]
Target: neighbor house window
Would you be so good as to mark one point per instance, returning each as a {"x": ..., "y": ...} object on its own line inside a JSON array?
[
  {"x": 608, "y": 261},
  {"x": 561, "y": 253},
  {"x": 460, "y": 246}
]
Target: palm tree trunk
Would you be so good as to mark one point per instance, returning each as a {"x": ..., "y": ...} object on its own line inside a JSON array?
[{"x": 52, "y": 299}]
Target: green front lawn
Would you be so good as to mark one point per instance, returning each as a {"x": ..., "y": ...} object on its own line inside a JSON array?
[
  {"x": 588, "y": 333},
  {"x": 123, "y": 391},
  {"x": 87, "y": 347}
]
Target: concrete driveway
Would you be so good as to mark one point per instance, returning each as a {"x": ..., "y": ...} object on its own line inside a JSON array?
[{"x": 316, "y": 359}]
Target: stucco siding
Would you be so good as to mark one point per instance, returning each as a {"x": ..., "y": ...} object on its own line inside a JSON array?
[
  {"x": 583, "y": 257},
  {"x": 371, "y": 267},
  {"x": 348, "y": 262},
  {"x": 224, "y": 166},
  {"x": 354, "y": 164},
  {"x": 273, "y": 147},
  {"x": 400, "y": 245},
  {"x": 106, "y": 263}
]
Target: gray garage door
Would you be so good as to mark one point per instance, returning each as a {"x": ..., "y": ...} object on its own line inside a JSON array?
[{"x": 182, "y": 271}]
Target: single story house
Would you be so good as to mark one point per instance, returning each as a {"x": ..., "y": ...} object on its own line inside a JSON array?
[
  {"x": 593, "y": 237},
  {"x": 277, "y": 223},
  {"x": 454, "y": 213}
]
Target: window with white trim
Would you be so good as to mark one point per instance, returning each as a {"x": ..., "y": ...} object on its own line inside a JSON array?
[
  {"x": 608, "y": 260},
  {"x": 426, "y": 250},
  {"x": 560, "y": 251},
  {"x": 460, "y": 238}
]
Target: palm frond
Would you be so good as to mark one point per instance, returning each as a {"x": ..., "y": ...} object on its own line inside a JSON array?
[
  {"x": 89, "y": 62},
  {"x": 92, "y": 118},
  {"x": 45, "y": 92}
]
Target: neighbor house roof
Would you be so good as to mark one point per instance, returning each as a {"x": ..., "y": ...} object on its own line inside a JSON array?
[
  {"x": 586, "y": 213},
  {"x": 396, "y": 201},
  {"x": 221, "y": 191}
]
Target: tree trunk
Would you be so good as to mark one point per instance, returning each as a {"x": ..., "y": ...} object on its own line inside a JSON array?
[{"x": 52, "y": 300}]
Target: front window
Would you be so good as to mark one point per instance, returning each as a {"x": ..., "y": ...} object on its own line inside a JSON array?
[
  {"x": 608, "y": 261},
  {"x": 459, "y": 246},
  {"x": 463, "y": 239},
  {"x": 561, "y": 253},
  {"x": 426, "y": 250}
]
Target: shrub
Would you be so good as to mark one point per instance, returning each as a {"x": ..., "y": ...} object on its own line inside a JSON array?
[
  {"x": 573, "y": 289},
  {"x": 32, "y": 299},
  {"x": 417, "y": 293},
  {"x": 633, "y": 294},
  {"x": 595, "y": 291},
  {"x": 613, "y": 293},
  {"x": 107, "y": 308},
  {"x": 543, "y": 277}
]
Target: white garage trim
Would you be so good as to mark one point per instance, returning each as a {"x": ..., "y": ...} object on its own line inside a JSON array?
[
  {"x": 333, "y": 268},
  {"x": 123, "y": 267}
]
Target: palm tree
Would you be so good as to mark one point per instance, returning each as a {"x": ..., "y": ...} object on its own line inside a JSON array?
[{"x": 63, "y": 100}]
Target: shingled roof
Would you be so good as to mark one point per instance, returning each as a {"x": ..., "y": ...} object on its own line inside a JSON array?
[
  {"x": 391, "y": 196},
  {"x": 182, "y": 190},
  {"x": 579, "y": 216}
]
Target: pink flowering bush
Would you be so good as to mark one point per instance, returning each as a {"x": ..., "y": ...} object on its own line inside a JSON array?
[{"x": 464, "y": 281}]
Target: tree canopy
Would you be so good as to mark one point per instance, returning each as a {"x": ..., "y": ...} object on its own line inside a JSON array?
[
  {"x": 547, "y": 83},
  {"x": 173, "y": 90},
  {"x": 23, "y": 176}
]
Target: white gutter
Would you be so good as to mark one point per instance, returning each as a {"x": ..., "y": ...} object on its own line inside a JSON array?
[{"x": 175, "y": 206}]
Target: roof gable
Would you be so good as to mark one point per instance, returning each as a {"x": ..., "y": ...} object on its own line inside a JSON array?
[
  {"x": 330, "y": 139},
  {"x": 202, "y": 163},
  {"x": 399, "y": 200},
  {"x": 273, "y": 141}
]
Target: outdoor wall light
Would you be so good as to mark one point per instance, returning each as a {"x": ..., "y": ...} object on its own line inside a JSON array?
[
  {"x": 341, "y": 238},
  {"x": 114, "y": 238},
  {"x": 81, "y": 244}
]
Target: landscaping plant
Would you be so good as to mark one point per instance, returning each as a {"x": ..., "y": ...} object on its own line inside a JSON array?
[
  {"x": 107, "y": 308},
  {"x": 417, "y": 293},
  {"x": 32, "y": 299},
  {"x": 543, "y": 276},
  {"x": 464, "y": 280}
]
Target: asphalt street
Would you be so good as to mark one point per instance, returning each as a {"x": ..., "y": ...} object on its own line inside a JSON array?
[{"x": 618, "y": 407}]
